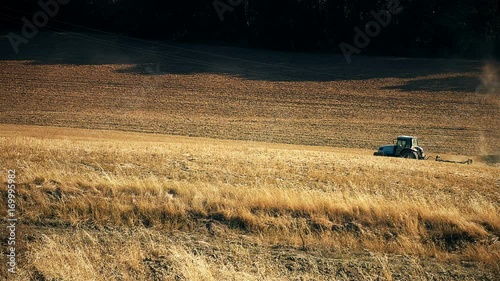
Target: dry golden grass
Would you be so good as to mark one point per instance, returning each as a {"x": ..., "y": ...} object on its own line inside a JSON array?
[
  {"x": 314, "y": 198},
  {"x": 147, "y": 254}
]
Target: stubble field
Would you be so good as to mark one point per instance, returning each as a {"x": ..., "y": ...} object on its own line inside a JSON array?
[{"x": 271, "y": 175}]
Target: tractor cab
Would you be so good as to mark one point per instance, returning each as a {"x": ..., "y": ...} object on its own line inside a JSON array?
[{"x": 404, "y": 142}]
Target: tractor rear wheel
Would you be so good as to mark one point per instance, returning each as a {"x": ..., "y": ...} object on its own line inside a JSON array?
[{"x": 409, "y": 154}]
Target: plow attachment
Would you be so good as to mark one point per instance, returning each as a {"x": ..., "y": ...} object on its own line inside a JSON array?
[{"x": 439, "y": 159}]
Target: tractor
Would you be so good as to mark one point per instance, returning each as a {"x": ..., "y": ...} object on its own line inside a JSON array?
[{"x": 404, "y": 146}]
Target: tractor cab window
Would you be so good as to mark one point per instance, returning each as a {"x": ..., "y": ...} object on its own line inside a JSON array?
[
  {"x": 404, "y": 143},
  {"x": 401, "y": 143},
  {"x": 415, "y": 142}
]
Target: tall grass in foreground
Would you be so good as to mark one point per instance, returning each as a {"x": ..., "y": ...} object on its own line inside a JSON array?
[
  {"x": 149, "y": 255},
  {"x": 309, "y": 197}
]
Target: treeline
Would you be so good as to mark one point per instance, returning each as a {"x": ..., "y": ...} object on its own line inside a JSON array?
[{"x": 458, "y": 28}]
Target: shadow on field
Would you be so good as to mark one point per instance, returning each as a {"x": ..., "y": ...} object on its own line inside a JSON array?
[
  {"x": 253, "y": 64},
  {"x": 453, "y": 84}
]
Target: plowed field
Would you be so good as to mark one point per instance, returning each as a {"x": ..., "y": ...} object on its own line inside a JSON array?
[{"x": 106, "y": 82}]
